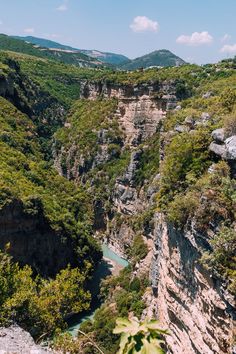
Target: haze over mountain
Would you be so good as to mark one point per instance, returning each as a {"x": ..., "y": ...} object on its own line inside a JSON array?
[
  {"x": 161, "y": 57},
  {"x": 105, "y": 57},
  {"x": 68, "y": 57}
]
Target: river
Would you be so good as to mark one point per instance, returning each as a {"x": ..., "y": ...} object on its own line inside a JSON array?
[{"x": 111, "y": 264}]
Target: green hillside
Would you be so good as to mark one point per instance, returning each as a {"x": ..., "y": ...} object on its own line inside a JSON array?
[
  {"x": 20, "y": 46},
  {"x": 105, "y": 57},
  {"x": 161, "y": 58}
]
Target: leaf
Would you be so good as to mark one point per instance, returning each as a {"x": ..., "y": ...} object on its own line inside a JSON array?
[
  {"x": 152, "y": 347},
  {"x": 123, "y": 342},
  {"x": 129, "y": 347},
  {"x": 126, "y": 326},
  {"x": 154, "y": 325}
]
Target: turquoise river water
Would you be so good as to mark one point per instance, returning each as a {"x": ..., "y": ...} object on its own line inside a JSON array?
[{"x": 103, "y": 270}]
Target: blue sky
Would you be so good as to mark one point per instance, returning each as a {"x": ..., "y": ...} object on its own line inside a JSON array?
[{"x": 199, "y": 31}]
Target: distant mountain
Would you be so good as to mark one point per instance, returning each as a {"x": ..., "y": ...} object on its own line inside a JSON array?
[
  {"x": 161, "y": 57},
  {"x": 65, "y": 56},
  {"x": 45, "y": 43},
  {"x": 105, "y": 57}
]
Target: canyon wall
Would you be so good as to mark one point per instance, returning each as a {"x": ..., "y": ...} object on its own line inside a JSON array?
[
  {"x": 196, "y": 308},
  {"x": 32, "y": 241}
]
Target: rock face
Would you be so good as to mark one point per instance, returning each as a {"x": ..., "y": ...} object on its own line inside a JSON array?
[
  {"x": 196, "y": 308},
  {"x": 140, "y": 107},
  {"x": 15, "y": 340},
  {"x": 224, "y": 148},
  {"x": 33, "y": 242}
]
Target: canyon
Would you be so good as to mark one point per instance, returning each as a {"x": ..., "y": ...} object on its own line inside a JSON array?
[
  {"x": 196, "y": 308},
  {"x": 191, "y": 301}
]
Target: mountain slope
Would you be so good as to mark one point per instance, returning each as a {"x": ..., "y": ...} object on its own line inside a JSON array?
[
  {"x": 105, "y": 57},
  {"x": 161, "y": 57},
  {"x": 73, "y": 58}
]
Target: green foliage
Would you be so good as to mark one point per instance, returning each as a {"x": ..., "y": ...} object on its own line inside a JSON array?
[
  {"x": 182, "y": 208},
  {"x": 25, "y": 176},
  {"x": 126, "y": 292},
  {"x": 39, "y": 305},
  {"x": 222, "y": 258},
  {"x": 158, "y": 58},
  {"x": 228, "y": 99},
  {"x": 229, "y": 123},
  {"x": 149, "y": 161},
  {"x": 210, "y": 200},
  {"x": 86, "y": 118},
  {"x": 123, "y": 295},
  {"x": 65, "y": 343},
  {"x": 186, "y": 158},
  {"x": 21, "y": 46},
  {"x": 140, "y": 337},
  {"x": 138, "y": 250}
]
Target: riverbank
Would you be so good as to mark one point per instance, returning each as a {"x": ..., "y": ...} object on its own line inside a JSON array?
[{"x": 111, "y": 264}]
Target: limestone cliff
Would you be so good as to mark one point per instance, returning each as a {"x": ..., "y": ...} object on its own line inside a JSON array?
[
  {"x": 140, "y": 107},
  {"x": 32, "y": 240},
  {"x": 196, "y": 307}
]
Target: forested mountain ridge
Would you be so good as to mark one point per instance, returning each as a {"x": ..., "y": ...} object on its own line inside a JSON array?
[
  {"x": 76, "y": 58},
  {"x": 161, "y": 58},
  {"x": 105, "y": 57},
  {"x": 133, "y": 159}
]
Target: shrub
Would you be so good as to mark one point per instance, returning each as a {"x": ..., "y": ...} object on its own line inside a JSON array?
[
  {"x": 182, "y": 208},
  {"x": 222, "y": 258},
  {"x": 39, "y": 305},
  {"x": 230, "y": 124},
  {"x": 138, "y": 250}
]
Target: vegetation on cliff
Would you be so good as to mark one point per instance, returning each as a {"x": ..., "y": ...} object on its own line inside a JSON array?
[
  {"x": 44, "y": 123},
  {"x": 38, "y": 305},
  {"x": 194, "y": 184}
]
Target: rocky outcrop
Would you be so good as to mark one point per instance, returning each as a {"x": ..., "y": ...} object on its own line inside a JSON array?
[
  {"x": 15, "y": 340},
  {"x": 224, "y": 148},
  {"x": 141, "y": 107},
  {"x": 33, "y": 241},
  {"x": 195, "y": 307}
]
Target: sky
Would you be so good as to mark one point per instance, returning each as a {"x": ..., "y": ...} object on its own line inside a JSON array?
[{"x": 199, "y": 31}]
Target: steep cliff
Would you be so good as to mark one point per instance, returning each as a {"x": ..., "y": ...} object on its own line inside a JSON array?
[
  {"x": 196, "y": 307},
  {"x": 40, "y": 211},
  {"x": 138, "y": 166},
  {"x": 32, "y": 241},
  {"x": 122, "y": 118},
  {"x": 169, "y": 168}
]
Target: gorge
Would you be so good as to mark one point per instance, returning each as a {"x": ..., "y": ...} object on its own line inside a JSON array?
[{"x": 126, "y": 159}]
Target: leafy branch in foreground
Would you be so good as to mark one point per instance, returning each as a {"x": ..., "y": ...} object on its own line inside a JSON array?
[{"x": 140, "y": 337}]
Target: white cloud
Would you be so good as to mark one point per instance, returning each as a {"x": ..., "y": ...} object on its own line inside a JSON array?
[
  {"x": 230, "y": 49},
  {"x": 144, "y": 24},
  {"x": 62, "y": 7},
  {"x": 29, "y": 30},
  {"x": 226, "y": 38},
  {"x": 196, "y": 38}
]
